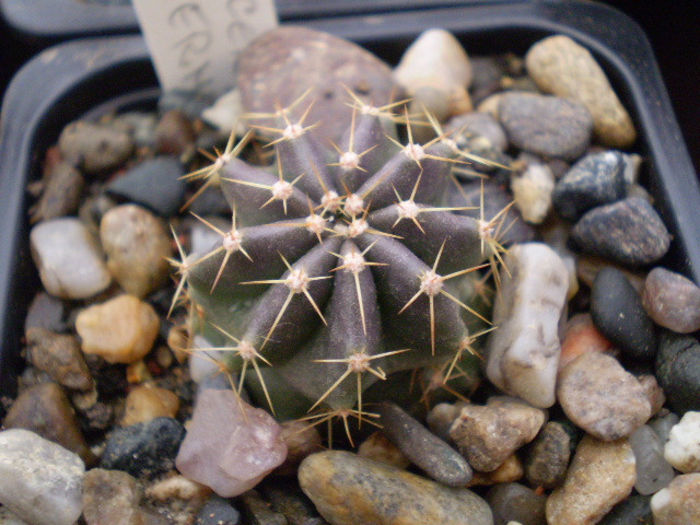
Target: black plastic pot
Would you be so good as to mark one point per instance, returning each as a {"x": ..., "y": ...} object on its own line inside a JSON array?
[{"x": 65, "y": 82}]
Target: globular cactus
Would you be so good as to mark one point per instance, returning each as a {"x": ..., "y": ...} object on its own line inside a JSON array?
[{"x": 341, "y": 267}]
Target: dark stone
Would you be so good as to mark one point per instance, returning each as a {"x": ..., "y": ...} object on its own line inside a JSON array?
[
  {"x": 154, "y": 183},
  {"x": 678, "y": 371},
  {"x": 144, "y": 449},
  {"x": 174, "y": 134},
  {"x": 617, "y": 312},
  {"x": 594, "y": 180},
  {"x": 218, "y": 511},
  {"x": 548, "y": 457},
  {"x": 280, "y": 65},
  {"x": 257, "y": 511},
  {"x": 634, "y": 510},
  {"x": 486, "y": 78},
  {"x": 423, "y": 448},
  {"x": 628, "y": 231},
  {"x": 287, "y": 497},
  {"x": 546, "y": 125},
  {"x": 515, "y": 502}
]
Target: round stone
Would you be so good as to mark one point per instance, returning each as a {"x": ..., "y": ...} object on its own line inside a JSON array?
[
  {"x": 145, "y": 403},
  {"x": 548, "y": 456},
  {"x": 683, "y": 447},
  {"x": 59, "y": 356},
  {"x": 678, "y": 371},
  {"x": 679, "y": 502},
  {"x": 516, "y": 502},
  {"x": 672, "y": 300}
]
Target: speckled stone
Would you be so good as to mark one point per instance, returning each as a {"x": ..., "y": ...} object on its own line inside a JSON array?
[
  {"x": 348, "y": 490},
  {"x": 111, "y": 497},
  {"x": 61, "y": 194},
  {"x": 601, "y": 475},
  {"x": 559, "y": 65},
  {"x": 628, "y": 231},
  {"x": 94, "y": 148},
  {"x": 424, "y": 449},
  {"x": 59, "y": 356},
  {"x": 545, "y": 125},
  {"x": 679, "y": 502},
  {"x": 672, "y": 300},
  {"x": 548, "y": 457},
  {"x": 581, "y": 336},
  {"x": 599, "y": 396},
  {"x": 678, "y": 371}
]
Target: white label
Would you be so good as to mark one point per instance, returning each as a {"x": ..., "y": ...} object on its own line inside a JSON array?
[{"x": 195, "y": 44}]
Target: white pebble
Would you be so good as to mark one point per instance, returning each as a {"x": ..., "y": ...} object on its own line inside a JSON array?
[{"x": 683, "y": 447}]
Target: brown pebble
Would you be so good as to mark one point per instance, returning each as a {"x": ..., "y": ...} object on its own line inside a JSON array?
[
  {"x": 301, "y": 440},
  {"x": 59, "y": 356},
  {"x": 145, "y": 403},
  {"x": 672, "y": 300},
  {"x": 510, "y": 470},
  {"x": 174, "y": 133},
  {"x": 61, "y": 195},
  {"x": 378, "y": 448}
]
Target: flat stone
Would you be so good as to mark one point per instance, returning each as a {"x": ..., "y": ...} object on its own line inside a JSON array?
[
  {"x": 348, "y": 489},
  {"x": 424, "y": 449},
  {"x": 94, "y": 148},
  {"x": 111, "y": 496},
  {"x": 672, "y": 300},
  {"x": 683, "y": 447},
  {"x": 678, "y": 371},
  {"x": 628, "y": 231},
  {"x": 121, "y": 330},
  {"x": 59, "y": 356},
  {"x": 653, "y": 471},
  {"x": 45, "y": 410},
  {"x": 617, "y": 312},
  {"x": 548, "y": 456},
  {"x": 61, "y": 194},
  {"x": 154, "y": 183},
  {"x": 40, "y": 482},
  {"x": 279, "y": 66},
  {"x": 545, "y": 125},
  {"x": 487, "y": 435},
  {"x": 218, "y": 511},
  {"x": 559, "y": 65},
  {"x": 596, "y": 179},
  {"x": 679, "y": 502},
  {"x": 523, "y": 354},
  {"x": 515, "y": 502},
  {"x": 144, "y": 449},
  {"x": 146, "y": 402},
  {"x": 137, "y": 247},
  {"x": 601, "y": 474},
  {"x": 532, "y": 191},
  {"x": 634, "y": 510},
  {"x": 68, "y": 258},
  {"x": 600, "y": 397},
  {"x": 251, "y": 443}
]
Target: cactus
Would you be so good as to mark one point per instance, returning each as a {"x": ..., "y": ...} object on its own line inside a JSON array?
[{"x": 341, "y": 269}]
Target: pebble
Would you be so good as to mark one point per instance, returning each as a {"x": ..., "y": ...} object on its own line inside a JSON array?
[
  {"x": 628, "y": 231},
  {"x": 68, "y": 258},
  {"x": 617, "y": 312},
  {"x": 433, "y": 70},
  {"x": 561, "y": 66},
  {"x": 288, "y": 499},
  {"x": 548, "y": 456},
  {"x": 137, "y": 246},
  {"x": 257, "y": 511},
  {"x": 634, "y": 510},
  {"x": 679, "y": 502},
  {"x": 47, "y": 312},
  {"x": 154, "y": 183},
  {"x": 532, "y": 191},
  {"x": 40, "y": 482},
  {"x": 146, "y": 402},
  {"x": 45, "y": 410},
  {"x": 178, "y": 487},
  {"x": 477, "y": 126},
  {"x": 217, "y": 511},
  {"x": 441, "y": 417},
  {"x": 111, "y": 497},
  {"x": 61, "y": 193},
  {"x": 663, "y": 423},
  {"x": 653, "y": 471},
  {"x": 252, "y": 443},
  {"x": 678, "y": 371},
  {"x": 672, "y": 300},
  {"x": 545, "y": 125},
  {"x": 486, "y": 76},
  {"x": 121, "y": 330},
  {"x": 683, "y": 447},
  {"x": 522, "y": 355},
  {"x": 348, "y": 489},
  {"x": 581, "y": 336},
  {"x": 144, "y": 449},
  {"x": 509, "y": 471},
  {"x": 653, "y": 391},
  {"x": 600, "y": 397},
  {"x": 425, "y": 450},
  {"x": 141, "y": 126},
  {"x": 601, "y": 474},
  {"x": 301, "y": 440},
  {"x": 290, "y": 60},
  {"x": 377, "y": 447},
  {"x": 174, "y": 134},
  {"x": 516, "y": 502},
  {"x": 588, "y": 266},
  {"x": 596, "y": 179},
  {"x": 94, "y": 148},
  {"x": 487, "y": 435},
  {"x": 59, "y": 356}
]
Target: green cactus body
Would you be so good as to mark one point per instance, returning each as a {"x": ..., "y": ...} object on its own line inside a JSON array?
[{"x": 339, "y": 273}]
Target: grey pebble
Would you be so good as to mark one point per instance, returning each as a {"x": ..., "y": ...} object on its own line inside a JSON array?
[
  {"x": 516, "y": 502},
  {"x": 46, "y": 312},
  {"x": 672, "y": 300},
  {"x": 662, "y": 425},
  {"x": 546, "y": 125},
  {"x": 425, "y": 450},
  {"x": 653, "y": 471},
  {"x": 288, "y": 499},
  {"x": 596, "y": 179},
  {"x": 548, "y": 456},
  {"x": 94, "y": 148},
  {"x": 628, "y": 231},
  {"x": 217, "y": 511},
  {"x": 469, "y": 127},
  {"x": 678, "y": 371},
  {"x": 634, "y": 510},
  {"x": 441, "y": 417}
]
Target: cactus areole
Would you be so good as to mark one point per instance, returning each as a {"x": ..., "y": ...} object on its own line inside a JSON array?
[{"x": 341, "y": 267}]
